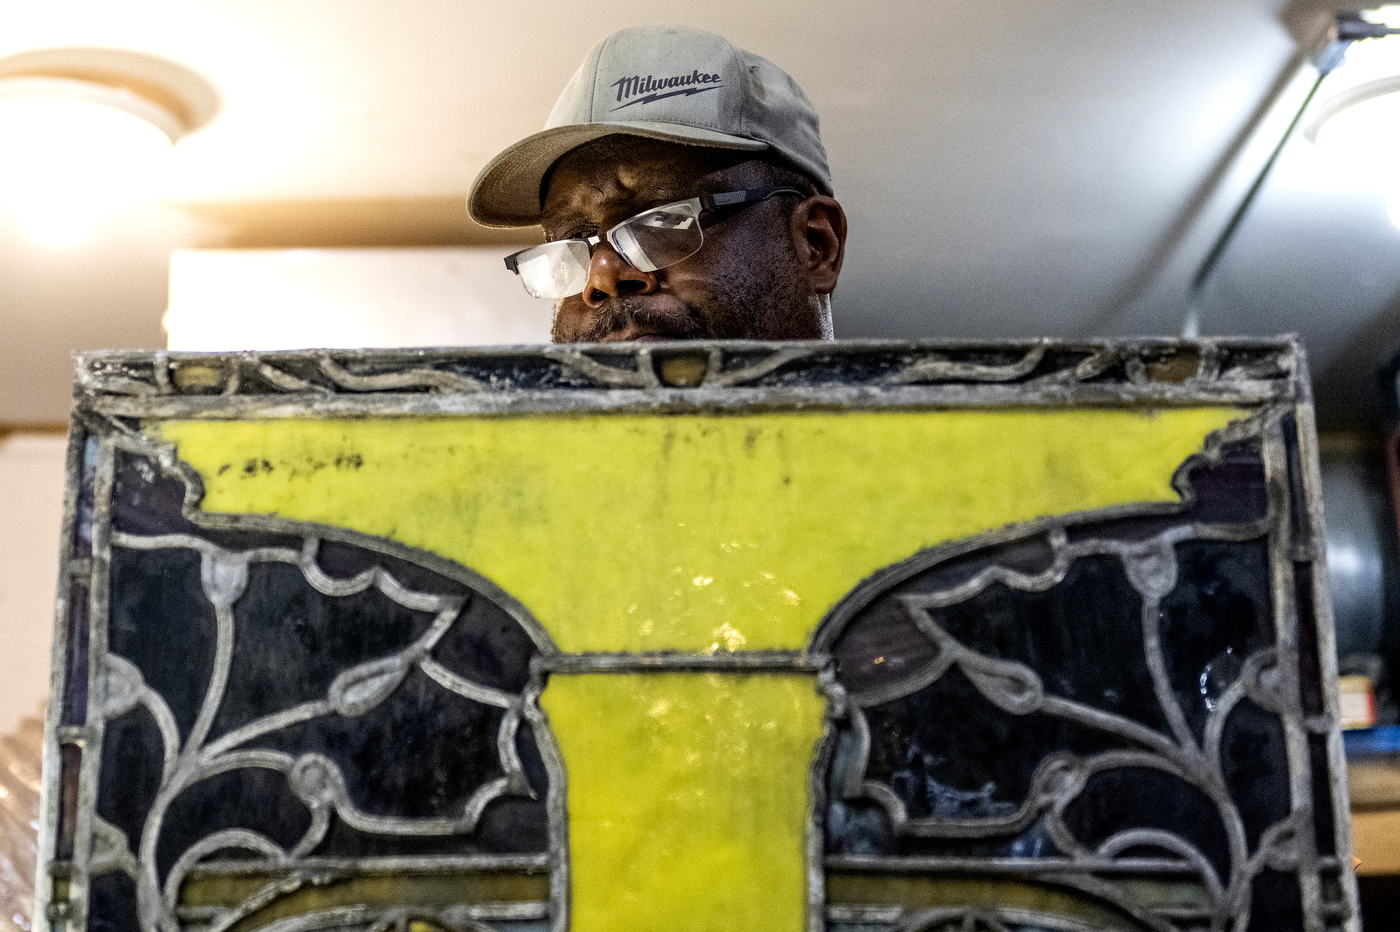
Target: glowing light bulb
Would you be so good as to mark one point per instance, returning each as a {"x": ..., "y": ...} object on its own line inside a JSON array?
[
  {"x": 1363, "y": 141},
  {"x": 65, "y": 163}
]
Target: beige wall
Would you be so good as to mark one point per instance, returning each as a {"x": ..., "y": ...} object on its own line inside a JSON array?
[{"x": 31, "y": 507}]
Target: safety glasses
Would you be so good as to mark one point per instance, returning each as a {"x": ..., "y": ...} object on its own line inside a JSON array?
[{"x": 652, "y": 240}]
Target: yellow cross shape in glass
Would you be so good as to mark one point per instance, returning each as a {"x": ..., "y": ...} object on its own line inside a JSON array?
[{"x": 689, "y": 793}]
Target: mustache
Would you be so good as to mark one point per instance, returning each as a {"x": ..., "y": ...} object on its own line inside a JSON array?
[{"x": 618, "y": 314}]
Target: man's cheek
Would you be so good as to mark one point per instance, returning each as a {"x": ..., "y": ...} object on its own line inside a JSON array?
[{"x": 571, "y": 317}]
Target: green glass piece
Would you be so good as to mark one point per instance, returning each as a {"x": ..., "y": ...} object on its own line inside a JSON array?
[
  {"x": 914, "y": 891},
  {"x": 379, "y": 889}
]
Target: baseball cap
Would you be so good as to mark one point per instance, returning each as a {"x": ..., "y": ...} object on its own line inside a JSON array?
[{"x": 672, "y": 83}]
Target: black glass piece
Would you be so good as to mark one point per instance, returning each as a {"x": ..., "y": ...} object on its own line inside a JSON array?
[
  {"x": 147, "y": 501},
  {"x": 1277, "y": 905},
  {"x": 1299, "y": 517},
  {"x": 1311, "y": 687},
  {"x": 527, "y": 747},
  {"x": 488, "y": 647},
  {"x": 874, "y": 365},
  {"x": 1309, "y": 651},
  {"x": 87, "y": 491},
  {"x": 948, "y": 753},
  {"x": 112, "y": 903},
  {"x": 75, "y": 673},
  {"x": 1219, "y": 614},
  {"x": 514, "y": 825},
  {"x": 503, "y": 373},
  {"x": 1141, "y": 797},
  {"x": 70, "y": 758},
  {"x": 1322, "y": 795},
  {"x": 252, "y": 798},
  {"x": 858, "y": 827},
  {"x": 345, "y": 561},
  {"x": 510, "y": 825},
  {"x": 343, "y": 841},
  {"x": 882, "y": 647},
  {"x": 1062, "y": 634},
  {"x": 852, "y": 826},
  {"x": 131, "y": 748},
  {"x": 1232, "y": 490},
  {"x": 160, "y": 620},
  {"x": 1310, "y": 684},
  {"x": 292, "y": 641},
  {"x": 1254, "y": 762},
  {"x": 520, "y": 373},
  {"x": 420, "y": 753}
]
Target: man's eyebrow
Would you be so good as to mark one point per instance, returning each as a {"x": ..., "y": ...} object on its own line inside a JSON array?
[
  {"x": 560, "y": 218},
  {"x": 663, "y": 193}
]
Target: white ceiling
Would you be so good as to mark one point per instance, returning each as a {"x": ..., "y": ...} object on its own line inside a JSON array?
[{"x": 1050, "y": 167}]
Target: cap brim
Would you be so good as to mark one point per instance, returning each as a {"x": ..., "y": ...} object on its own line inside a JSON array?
[{"x": 507, "y": 192}]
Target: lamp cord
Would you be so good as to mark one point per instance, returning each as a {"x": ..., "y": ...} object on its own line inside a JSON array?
[
  {"x": 1223, "y": 240},
  {"x": 1350, "y": 28}
]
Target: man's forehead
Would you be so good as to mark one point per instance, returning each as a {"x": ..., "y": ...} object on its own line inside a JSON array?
[
  {"x": 640, "y": 172},
  {"x": 577, "y": 184}
]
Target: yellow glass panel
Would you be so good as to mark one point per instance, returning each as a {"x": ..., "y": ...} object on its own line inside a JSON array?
[
  {"x": 688, "y": 798},
  {"x": 694, "y": 533}
]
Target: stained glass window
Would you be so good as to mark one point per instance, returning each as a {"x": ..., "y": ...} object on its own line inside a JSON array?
[{"x": 853, "y": 637}]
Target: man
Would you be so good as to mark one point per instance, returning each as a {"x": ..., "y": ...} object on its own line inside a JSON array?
[{"x": 684, "y": 194}]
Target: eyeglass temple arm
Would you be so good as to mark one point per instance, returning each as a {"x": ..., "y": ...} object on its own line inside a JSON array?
[{"x": 730, "y": 198}]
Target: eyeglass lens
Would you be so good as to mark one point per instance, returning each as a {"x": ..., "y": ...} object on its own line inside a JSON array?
[
  {"x": 660, "y": 237},
  {"x": 649, "y": 241},
  {"x": 554, "y": 270}
]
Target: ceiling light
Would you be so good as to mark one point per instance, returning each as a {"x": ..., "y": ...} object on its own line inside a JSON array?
[
  {"x": 89, "y": 130},
  {"x": 1388, "y": 15},
  {"x": 1358, "y": 128},
  {"x": 1362, "y": 139}
]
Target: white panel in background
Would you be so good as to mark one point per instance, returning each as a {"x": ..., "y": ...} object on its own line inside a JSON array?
[
  {"x": 274, "y": 299},
  {"x": 31, "y": 500}
]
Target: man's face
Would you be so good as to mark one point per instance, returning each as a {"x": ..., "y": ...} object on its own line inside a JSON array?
[{"x": 746, "y": 282}]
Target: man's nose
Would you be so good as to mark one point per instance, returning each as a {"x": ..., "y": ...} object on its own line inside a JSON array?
[{"x": 611, "y": 276}]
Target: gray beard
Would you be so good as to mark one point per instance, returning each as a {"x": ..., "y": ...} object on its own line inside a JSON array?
[
  {"x": 617, "y": 313},
  {"x": 775, "y": 305}
]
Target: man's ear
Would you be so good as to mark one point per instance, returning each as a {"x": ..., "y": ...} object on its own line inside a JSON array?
[{"x": 819, "y": 233}]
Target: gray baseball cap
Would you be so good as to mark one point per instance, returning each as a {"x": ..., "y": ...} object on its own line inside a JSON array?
[{"x": 672, "y": 83}]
